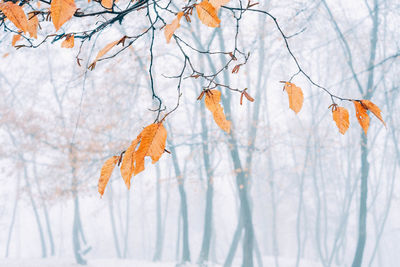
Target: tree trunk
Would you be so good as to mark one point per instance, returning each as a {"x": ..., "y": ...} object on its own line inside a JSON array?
[
  {"x": 184, "y": 209},
  {"x": 10, "y": 229},
  {"x": 159, "y": 237},
  {"x": 45, "y": 212},
  {"x": 112, "y": 219},
  {"x": 362, "y": 225},
  {"x": 76, "y": 232},
  {"x": 35, "y": 211},
  {"x": 207, "y": 232},
  {"x": 126, "y": 235}
]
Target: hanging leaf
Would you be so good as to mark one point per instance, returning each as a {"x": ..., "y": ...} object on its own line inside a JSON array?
[
  {"x": 61, "y": 11},
  {"x": 15, "y": 14},
  {"x": 172, "y": 27},
  {"x": 33, "y": 23},
  {"x": 152, "y": 144},
  {"x": 15, "y": 39},
  {"x": 68, "y": 42},
  {"x": 208, "y": 14},
  {"x": 248, "y": 97},
  {"x": 218, "y": 3},
  {"x": 374, "y": 109},
  {"x": 102, "y": 52},
  {"x": 127, "y": 166},
  {"x": 106, "y": 172},
  {"x": 362, "y": 116},
  {"x": 107, "y": 3},
  {"x": 295, "y": 95},
  {"x": 213, "y": 97},
  {"x": 341, "y": 117}
]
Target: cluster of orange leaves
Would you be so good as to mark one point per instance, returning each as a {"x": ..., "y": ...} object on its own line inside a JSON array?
[
  {"x": 150, "y": 142},
  {"x": 60, "y": 11},
  {"x": 207, "y": 11},
  {"x": 340, "y": 114}
]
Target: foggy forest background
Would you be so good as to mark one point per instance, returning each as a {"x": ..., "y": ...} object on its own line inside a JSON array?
[{"x": 59, "y": 122}]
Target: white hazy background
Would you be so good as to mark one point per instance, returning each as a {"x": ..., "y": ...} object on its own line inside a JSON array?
[{"x": 304, "y": 179}]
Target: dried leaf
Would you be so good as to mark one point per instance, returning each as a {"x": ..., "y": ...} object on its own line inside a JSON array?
[
  {"x": 200, "y": 97},
  {"x": 236, "y": 68},
  {"x": 208, "y": 14},
  {"x": 213, "y": 97},
  {"x": 295, "y": 96},
  {"x": 61, "y": 11},
  {"x": 102, "y": 52},
  {"x": 68, "y": 42},
  {"x": 33, "y": 23},
  {"x": 127, "y": 165},
  {"x": 15, "y": 14},
  {"x": 218, "y": 3},
  {"x": 341, "y": 117},
  {"x": 106, "y": 172},
  {"x": 15, "y": 39},
  {"x": 374, "y": 109},
  {"x": 172, "y": 27},
  {"x": 107, "y": 3},
  {"x": 248, "y": 97},
  {"x": 362, "y": 116},
  {"x": 152, "y": 143}
]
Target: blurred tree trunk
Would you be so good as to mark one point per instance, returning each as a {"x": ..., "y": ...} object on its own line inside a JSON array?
[
  {"x": 10, "y": 229},
  {"x": 77, "y": 231},
  {"x": 45, "y": 212},
  {"x": 370, "y": 88},
  {"x": 366, "y": 94},
  {"x": 184, "y": 209},
  {"x": 242, "y": 181},
  {"x": 112, "y": 219},
  {"x": 235, "y": 241},
  {"x": 159, "y": 233},
  {"x": 205, "y": 247},
  {"x": 35, "y": 211},
  {"x": 29, "y": 190},
  {"x": 127, "y": 221},
  {"x": 362, "y": 222}
]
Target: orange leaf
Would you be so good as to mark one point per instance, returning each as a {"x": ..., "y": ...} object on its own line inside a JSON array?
[
  {"x": 61, "y": 11},
  {"x": 107, "y": 3},
  {"x": 102, "y": 52},
  {"x": 33, "y": 23},
  {"x": 341, "y": 117},
  {"x": 68, "y": 42},
  {"x": 172, "y": 27},
  {"x": 106, "y": 172},
  {"x": 15, "y": 14},
  {"x": 15, "y": 39},
  {"x": 200, "y": 97},
  {"x": 374, "y": 109},
  {"x": 295, "y": 96},
  {"x": 218, "y": 3},
  {"x": 248, "y": 97},
  {"x": 362, "y": 116},
  {"x": 213, "y": 97},
  {"x": 208, "y": 14},
  {"x": 127, "y": 165},
  {"x": 152, "y": 143}
]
